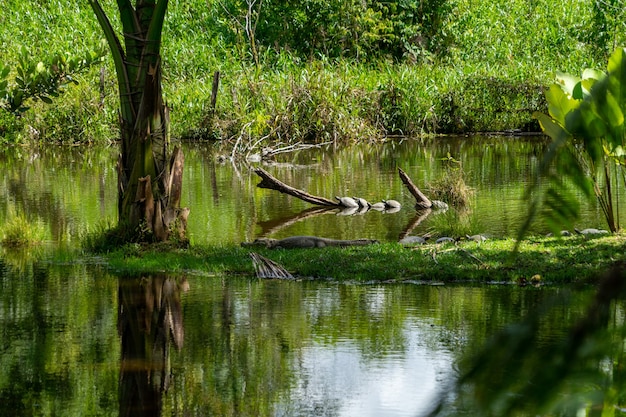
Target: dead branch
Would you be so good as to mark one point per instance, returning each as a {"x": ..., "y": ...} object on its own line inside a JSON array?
[
  {"x": 266, "y": 268},
  {"x": 298, "y": 146},
  {"x": 422, "y": 202},
  {"x": 268, "y": 181},
  {"x": 215, "y": 87},
  {"x": 474, "y": 257}
]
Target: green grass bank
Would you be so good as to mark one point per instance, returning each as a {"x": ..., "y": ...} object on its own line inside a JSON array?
[
  {"x": 453, "y": 66},
  {"x": 555, "y": 260}
]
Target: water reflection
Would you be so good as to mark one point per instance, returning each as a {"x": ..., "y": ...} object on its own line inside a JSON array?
[
  {"x": 149, "y": 320},
  {"x": 79, "y": 341},
  {"x": 339, "y": 381},
  {"x": 59, "y": 348},
  {"x": 67, "y": 188}
]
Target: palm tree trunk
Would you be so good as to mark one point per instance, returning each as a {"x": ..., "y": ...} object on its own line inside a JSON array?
[{"x": 149, "y": 178}]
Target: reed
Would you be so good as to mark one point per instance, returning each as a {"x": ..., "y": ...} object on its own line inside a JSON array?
[{"x": 19, "y": 231}]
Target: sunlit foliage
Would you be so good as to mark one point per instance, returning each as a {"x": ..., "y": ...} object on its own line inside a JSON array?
[
  {"x": 405, "y": 67},
  {"x": 586, "y": 124},
  {"x": 20, "y": 232}
]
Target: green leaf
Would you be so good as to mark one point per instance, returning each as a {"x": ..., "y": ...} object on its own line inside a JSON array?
[
  {"x": 559, "y": 103},
  {"x": 564, "y": 204},
  {"x": 17, "y": 99},
  {"x": 617, "y": 75},
  {"x": 594, "y": 149},
  {"x": 549, "y": 126},
  {"x": 119, "y": 58},
  {"x": 618, "y": 151},
  {"x": 577, "y": 92},
  {"x": 588, "y": 124},
  {"x": 567, "y": 82},
  {"x": 592, "y": 74},
  {"x": 612, "y": 111},
  {"x": 46, "y": 99},
  {"x": 616, "y": 60},
  {"x": 587, "y": 85}
]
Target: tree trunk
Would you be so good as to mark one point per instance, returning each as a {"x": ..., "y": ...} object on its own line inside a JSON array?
[{"x": 149, "y": 178}]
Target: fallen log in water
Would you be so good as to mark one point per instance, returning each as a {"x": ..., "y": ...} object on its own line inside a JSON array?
[
  {"x": 268, "y": 181},
  {"x": 421, "y": 201}
]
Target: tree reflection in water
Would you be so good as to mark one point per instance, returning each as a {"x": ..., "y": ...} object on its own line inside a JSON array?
[{"x": 149, "y": 321}]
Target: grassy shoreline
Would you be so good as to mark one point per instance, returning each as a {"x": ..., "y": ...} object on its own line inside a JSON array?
[{"x": 556, "y": 260}]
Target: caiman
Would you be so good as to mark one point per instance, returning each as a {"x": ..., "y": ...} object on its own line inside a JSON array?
[{"x": 302, "y": 242}]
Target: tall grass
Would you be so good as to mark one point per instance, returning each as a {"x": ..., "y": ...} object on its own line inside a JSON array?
[{"x": 490, "y": 77}]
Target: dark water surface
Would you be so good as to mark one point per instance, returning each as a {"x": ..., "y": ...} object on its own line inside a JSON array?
[{"x": 78, "y": 341}]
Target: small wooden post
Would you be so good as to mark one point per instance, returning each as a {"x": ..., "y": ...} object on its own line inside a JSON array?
[{"x": 216, "y": 84}]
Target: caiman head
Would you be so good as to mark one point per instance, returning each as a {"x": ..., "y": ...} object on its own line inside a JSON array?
[{"x": 263, "y": 242}]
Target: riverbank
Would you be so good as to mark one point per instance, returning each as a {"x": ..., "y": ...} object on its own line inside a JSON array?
[{"x": 549, "y": 260}]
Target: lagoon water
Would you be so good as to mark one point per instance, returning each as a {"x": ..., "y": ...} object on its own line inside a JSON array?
[
  {"x": 79, "y": 340},
  {"x": 70, "y": 190}
]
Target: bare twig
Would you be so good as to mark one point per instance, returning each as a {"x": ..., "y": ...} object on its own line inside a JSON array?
[
  {"x": 246, "y": 126},
  {"x": 295, "y": 147},
  {"x": 472, "y": 256}
]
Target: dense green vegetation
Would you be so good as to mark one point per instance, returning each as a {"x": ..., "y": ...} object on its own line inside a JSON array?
[
  {"x": 315, "y": 70},
  {"x": 586, "y": 124}
]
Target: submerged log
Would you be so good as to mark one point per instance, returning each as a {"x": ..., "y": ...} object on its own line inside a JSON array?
[{"x": 268, "y": 181}]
